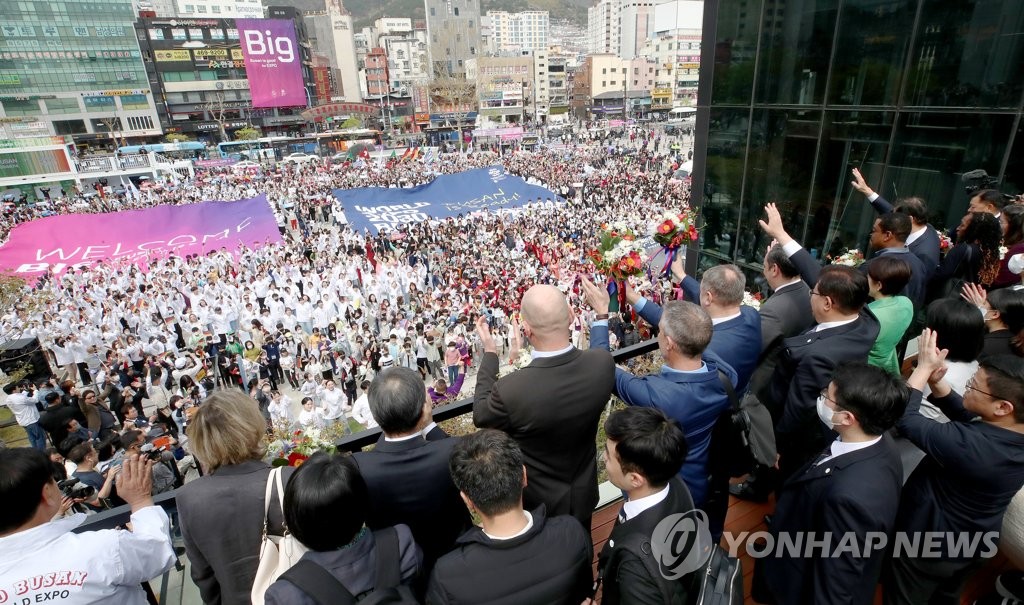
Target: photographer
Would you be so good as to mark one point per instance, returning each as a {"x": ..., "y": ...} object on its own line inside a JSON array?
[
  {"x": 86, "y": 457},
  {"x": 24, "y": 405},
  {"x": 39, "y": 557}
]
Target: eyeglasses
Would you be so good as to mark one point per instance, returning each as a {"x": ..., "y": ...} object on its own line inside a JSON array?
[
  {"x": 813, "y": 293},
  {"x": 824, "y": 395},
  {"x": 970, "y": 385}
]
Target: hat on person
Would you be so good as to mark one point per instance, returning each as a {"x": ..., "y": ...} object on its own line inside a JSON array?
[{"x": 179, "y": 363}]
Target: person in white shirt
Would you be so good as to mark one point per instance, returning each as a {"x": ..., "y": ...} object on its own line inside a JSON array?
[
  {"x": 311, "y": 417},
  {"x": 334, "y": 404},
  {"x": 22, "y": 401},
  {"x": 41, "y": 556},
  {"x": 361, "y": 408},
  {"x": 280, "y": 409}
]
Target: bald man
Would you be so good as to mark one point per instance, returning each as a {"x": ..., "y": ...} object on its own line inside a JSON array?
[{"x": 551, "y": 407}]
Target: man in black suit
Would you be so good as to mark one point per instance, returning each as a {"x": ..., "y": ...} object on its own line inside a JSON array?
[
  {"x": 407, "y": 471},
  {"x": 643, "y": 454},
  {"x": 786, "y": 313},
  {"x": 845, "y": 331},
  {"x": 851, "y": 491},
  {"x": 888, "y": 238},
  {"x": 551, "y": 407},
  {"x": 518, "y": 555},
  {"x": 923, "y": 239}
]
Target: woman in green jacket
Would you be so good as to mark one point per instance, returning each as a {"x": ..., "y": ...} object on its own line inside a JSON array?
[{"x": 887, "y": 276}]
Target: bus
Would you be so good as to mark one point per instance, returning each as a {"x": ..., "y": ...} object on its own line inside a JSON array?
[
  {"x": 174, "y": 151},
  {"x": 264, "y": 149},
  {"x": 340, "y": 141}
]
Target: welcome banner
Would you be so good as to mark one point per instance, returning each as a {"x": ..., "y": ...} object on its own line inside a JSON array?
[
  {"x": 446, "y": 196},
  {"x": 56, "y": 243}
]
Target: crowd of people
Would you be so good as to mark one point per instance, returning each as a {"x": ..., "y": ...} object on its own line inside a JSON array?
[{"x": 189, "y": 361}]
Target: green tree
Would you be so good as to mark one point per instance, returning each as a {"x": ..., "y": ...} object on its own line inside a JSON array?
[
  {"x": 247, "y": 133},
  {"x": 352, "y": 122},
  {"x": 177, "y": 137}
]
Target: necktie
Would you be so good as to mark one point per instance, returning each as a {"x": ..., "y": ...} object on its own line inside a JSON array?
[
  {"x": 821, "y": 457},
  {"x": 622, "y": 516}
]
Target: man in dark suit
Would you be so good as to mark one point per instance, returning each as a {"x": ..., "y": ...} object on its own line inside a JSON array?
[
  {"x": 407, "y": 471},
  {"x": 786, "y": 313},
  {"x": 888, "y": 238},
  {"x": 845, "y": 331},
  {"x": 517, "y": 555},
  {"x": 642, "y": 454},
  {"x": 551, "y": 407},
  {"x": 737, "y": 327},
  {"x": 851, "y": 491},
  {"x": 688, "y": 387},
  {"x": 923, "y": 240}
]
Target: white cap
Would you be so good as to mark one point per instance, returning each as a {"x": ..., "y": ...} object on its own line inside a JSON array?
[
  {"x": 179, "y": 363},
  {"x": 1016, "y": 264}
]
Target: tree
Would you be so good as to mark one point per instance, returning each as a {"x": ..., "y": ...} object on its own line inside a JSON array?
[
  {"x": 352, "y": 122},
  {"x": 215, "y": 107},
  {"x": 248, "y": 133},
  {"x": 178, "y": 137},
  {"x": 112, "y": 125}
]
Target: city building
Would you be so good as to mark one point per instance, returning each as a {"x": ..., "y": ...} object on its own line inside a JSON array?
[
  {"x": 453, "y": 31},
  {"x": 558, "y": 85},
  {"x": 68, "y": 68},
  {"x": 406, "y": 48},
  {"x": 636, "y": 23},
  {"x": 378, "y": 83},
  {"x": 156, "y": 8},
  {"x": 675, "y": 48},
  {"x": 197, "y": 70},
  {"x": 794, "y": 94},
  {"x": 504, "y": 87},
  {"x": 516, "y": 32},
  {"x": 217, "y": 9},
  {"x": 604, "y": 77},
  {"x": 333, "y": 36},
  {"x": 603, "y": 27}
]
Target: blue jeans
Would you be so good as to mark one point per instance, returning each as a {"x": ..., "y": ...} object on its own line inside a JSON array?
[
  {"x": 36, "y": 436},
  {"x": 453, "y": 374}
]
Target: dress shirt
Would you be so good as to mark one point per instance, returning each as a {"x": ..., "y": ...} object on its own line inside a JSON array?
[
  {"x": 421, "y": 434},
  {"x": 840, "y": 447},
  {"x": 529, "y": 526},
  {"x": 632, "y": 508},
  {"x": 538, "y": 354},
  {"x": 834, "y": 324},
  {"x": 796, "y": 280},
  {"x": 717, "y": 320}
]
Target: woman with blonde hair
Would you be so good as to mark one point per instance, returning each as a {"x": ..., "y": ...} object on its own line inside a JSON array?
[{"x": 222, "y": 512}]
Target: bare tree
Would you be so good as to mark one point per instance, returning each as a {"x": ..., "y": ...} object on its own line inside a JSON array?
[
  {"x": 215, "y": 107},
  {"x": 113, "y": 125}
]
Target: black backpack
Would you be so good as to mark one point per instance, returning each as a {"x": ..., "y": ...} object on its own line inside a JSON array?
[{"x": 325, "y": 589}]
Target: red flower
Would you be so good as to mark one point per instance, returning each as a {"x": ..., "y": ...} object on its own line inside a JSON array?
[
  {"x": 296, "y": 459},
  {"x": 666, "y": 227}
]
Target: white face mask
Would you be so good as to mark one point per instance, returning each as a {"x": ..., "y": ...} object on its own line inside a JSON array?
[{"x": 825, "y": 413}]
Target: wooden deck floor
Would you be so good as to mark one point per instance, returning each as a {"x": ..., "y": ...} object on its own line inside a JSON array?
[{"x": 749, "y": 517}]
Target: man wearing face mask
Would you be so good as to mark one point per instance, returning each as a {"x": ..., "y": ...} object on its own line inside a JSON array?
[{"x": 850, "y": 491}]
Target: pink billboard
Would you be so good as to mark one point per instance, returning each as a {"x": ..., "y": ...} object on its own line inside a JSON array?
[
  {"x": 56, "y": 243},
  {"x": 273, "y": 62}
]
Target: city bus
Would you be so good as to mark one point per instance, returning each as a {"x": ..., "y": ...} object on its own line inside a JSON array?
[
  {"x": 340, "y": 141},
  {"x": 264, "y": 149},
  {"x": 174, "y": 151}
]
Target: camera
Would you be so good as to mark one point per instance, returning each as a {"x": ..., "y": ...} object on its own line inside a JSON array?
[
  {"x": 74, "y": 488},
  {"x": 976, "y": 180},
  {"x": 151, "y": 451}
]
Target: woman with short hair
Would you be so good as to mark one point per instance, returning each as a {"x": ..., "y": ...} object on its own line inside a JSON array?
[
  {"x": 222, "y": 512},
  {"x": 887, "y": 276}
]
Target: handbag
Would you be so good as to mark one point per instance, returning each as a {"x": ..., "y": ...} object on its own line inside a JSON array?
[
  {"x": 277, "y": 553},
  {"x": 744, "y": 436},
  {"x": 722, "y": 580}
]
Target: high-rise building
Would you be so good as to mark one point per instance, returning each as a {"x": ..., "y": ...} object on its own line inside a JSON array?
[
  {"x": 217, "y": 9},
  {"x": 794, "y": 94},
  {"x": 517, "y": 32},
  {"x": 674, "y": 46},
  {"x": 68, "y": 68},
  {"x": 453, "y": 31},
  {"x": 636, "y": 23},
  {"x": 334, "y": 37},
  {"x": 603, "y": 27},
  {"x": 406, "y": 50}
]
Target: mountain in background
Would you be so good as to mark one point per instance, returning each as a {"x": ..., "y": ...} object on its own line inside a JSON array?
[{"x": 365, "y": 12}]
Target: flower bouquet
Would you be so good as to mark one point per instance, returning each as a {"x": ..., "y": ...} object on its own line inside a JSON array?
[
  {"x": 292, "y": 449},
  {"x": 944, "y": 243},
  {"x": 752, "y": 300},
  {"x": 850, "y": 258},
  {"x": 618, "y": 256},
  {"x": 673, "y": 232}
]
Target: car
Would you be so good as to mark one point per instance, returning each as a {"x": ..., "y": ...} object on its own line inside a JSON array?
[
  {"x": 340, "y": 158},
  {"x": 245, "y": 165},
  {"x": 299, "y": 158}
]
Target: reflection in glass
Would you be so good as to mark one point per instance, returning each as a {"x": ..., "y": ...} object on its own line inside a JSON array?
[
  {"x": 873, "y": 49},
  {"x": 796, "y": 44}
]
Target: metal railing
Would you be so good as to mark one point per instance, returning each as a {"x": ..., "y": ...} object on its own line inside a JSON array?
[{"x": 119, "y": 516}]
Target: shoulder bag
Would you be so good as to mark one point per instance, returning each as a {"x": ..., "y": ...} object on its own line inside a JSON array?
[{"x": 277, "y": 553}]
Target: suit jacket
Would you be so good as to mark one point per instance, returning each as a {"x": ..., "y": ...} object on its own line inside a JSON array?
[
  {"x": 787, "y": 312},
  {"x": 855, "y": 493},
  {"x": 805, "y": 368},
  {"x": 693, "y": 399},
  {"x": 409, "y": 484},
  {"x": 737, "y": 341},
  {"x": 626, "y": 579},
  {"x": 222, "y": 525},
  {"x": 551, "y": 408},
  {"x": 917, "y": 287},
  {"x": 925, "y": 247}
]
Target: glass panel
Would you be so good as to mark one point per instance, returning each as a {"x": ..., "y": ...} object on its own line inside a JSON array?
[
  {"x": 723, "y": 181},
  {"x": 1013, "y": 181},
  {"x": 873, "y": 38},
  {"x": 968, "y": 54},
  {"x": 782, "y": 145},
  {"x": 933, "y": 150},
  {"x": 737, "y": 44},
  {"x": 795, "y": 49}
]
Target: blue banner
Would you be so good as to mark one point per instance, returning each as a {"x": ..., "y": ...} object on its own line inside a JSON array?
[{"x": 448, "y": 195}]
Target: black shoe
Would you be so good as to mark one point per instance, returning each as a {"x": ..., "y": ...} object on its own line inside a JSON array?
[{"x": 746, "y": 491}]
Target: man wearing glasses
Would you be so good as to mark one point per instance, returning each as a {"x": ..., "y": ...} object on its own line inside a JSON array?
[{"x": 973, "y": 467}]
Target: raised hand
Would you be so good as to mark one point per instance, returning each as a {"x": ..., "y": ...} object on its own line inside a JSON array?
[
  {"x": 976, "y": 295},
  {"x": 597, "y": 297},
  {"x": 774, "y": 227},
  {"x": 859, "y": 184},
  {"x": 483, "y": 331}
]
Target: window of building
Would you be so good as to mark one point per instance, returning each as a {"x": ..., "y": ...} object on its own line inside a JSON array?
[
  {"x": 432, "y": 12},
  {"x": 215, "y": 9},
  {"x": 201, "y": 9},
  {"x": 21, "y": 108},
  {"x": 455, "y": 11},
  {"x": 97, "y": 104},
  {"x": 62, "y": 127},
  {"x": 604, "y": 71},
  {"x": 62, "y": 106},
  {"x": 134, "y": 102},
  {"x": 190, "y": 8},
  {"x": 470, "y": 24}
]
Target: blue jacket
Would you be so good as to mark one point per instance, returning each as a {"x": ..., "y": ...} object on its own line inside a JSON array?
[
  {"x": 737, "y": 341},
  {"x": 693, "y": 399}
]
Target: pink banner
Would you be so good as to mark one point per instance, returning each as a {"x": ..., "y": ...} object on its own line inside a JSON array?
[
  {"x": 273, "y": 62},
  {"x": 56, "y": 243}
]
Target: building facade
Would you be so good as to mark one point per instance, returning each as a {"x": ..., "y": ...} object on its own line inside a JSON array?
[
  {"x": 453, "y": 31},
  {"x": 334, "y": 37},
  {"x": 793, "y": 95},
  {"x": 636, "y": 23},
  {"x": 603, "y": 27},
  {"x": 75, "y": 69},
  {"x": 217, "y": 9},
  {"x": 516, "y": 32}
]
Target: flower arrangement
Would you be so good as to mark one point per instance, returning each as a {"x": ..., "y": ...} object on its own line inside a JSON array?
[
  {"x": 1002, "y": 252},
  {"x": 850, "y": 258},
  {"x": 675, "y": 229},
  {"x": 294, "y": 448},
  {"x": 944, "y": 243},
  {"x": 752, "y": 300},
  {"x": 619, "y": 257}
]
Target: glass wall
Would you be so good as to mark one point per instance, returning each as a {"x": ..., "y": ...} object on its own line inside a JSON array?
[{"x": 913, "y": 92}]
